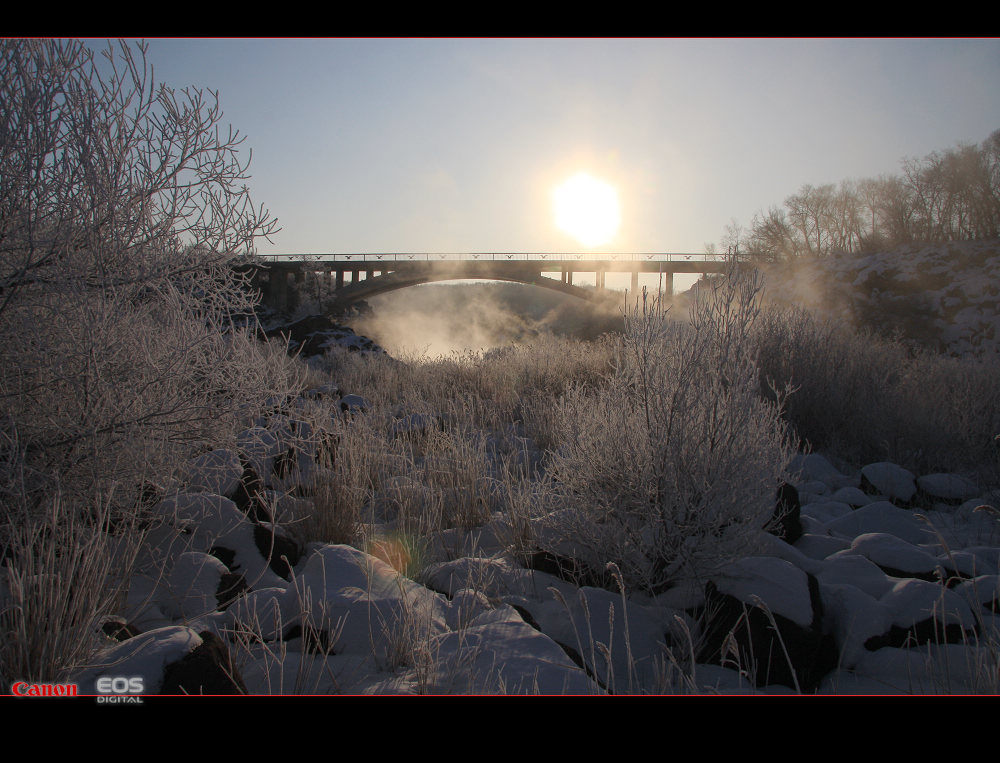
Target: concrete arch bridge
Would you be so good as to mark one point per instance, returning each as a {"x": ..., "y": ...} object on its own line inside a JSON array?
[{"x": 355, "y": 277}]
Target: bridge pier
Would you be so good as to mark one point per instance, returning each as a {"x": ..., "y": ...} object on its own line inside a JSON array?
[
  {"x": 668, "y": 283},
  {"x": 277, "y": 288},
  {"x": 635, "y": 282}
]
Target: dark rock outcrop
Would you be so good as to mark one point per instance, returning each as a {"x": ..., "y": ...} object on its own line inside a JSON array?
[
  {"x": 282, "y": 553},
  {"x": 208, "y": 669},
  {"x": 741, "y": 635},
  {"x": 786, "y": 522}
]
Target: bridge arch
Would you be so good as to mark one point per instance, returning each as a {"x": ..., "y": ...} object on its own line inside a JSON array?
[{"x": 371, "y": 287}]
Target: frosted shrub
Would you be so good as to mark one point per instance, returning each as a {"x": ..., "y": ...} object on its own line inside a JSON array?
[
  {"x": 867, "y": 398},
  {"x": 671, "y": 469}
]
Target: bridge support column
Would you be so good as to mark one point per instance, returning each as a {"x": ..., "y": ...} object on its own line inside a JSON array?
[
  {"x": 635, "y": 281},
  {"x": 340, "y": 281},
  {"x": 600, "y": 279},
  {"x": 668, "y": 284},
  {"x": 354, "y": 276},
  {"x": 277, "y": 289},
  {"x": 369, "y": 274}
]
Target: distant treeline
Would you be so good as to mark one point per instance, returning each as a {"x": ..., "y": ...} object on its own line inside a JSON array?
[{"x": 946, "y": 196}]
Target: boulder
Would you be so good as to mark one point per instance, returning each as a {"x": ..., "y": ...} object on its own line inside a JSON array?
[
  {"x": 786, "y": 522},
  {"x": 207, "y": 669},
  {"x": 894, "y": 482},
  {"x": 739, "y": 631}
]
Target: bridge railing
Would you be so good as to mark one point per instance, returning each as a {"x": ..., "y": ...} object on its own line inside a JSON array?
[{"x": 374, "y": 258}]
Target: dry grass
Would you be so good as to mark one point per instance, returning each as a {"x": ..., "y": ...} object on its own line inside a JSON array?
[{"x": 63, "y": 575}]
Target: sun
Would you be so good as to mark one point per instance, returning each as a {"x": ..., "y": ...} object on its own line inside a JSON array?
[{"x": 587, "y": 209}]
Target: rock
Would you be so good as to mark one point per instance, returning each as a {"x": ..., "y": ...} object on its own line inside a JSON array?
[
  {"x": 924, "y": 612},
  {"x": 570, "y": 570},
  {"x": 217, "y": 472},
  {"x": 949, "y": 488},
  {"x": 882, "y": 517},
  {"x": 786, "y": 522},
  {"x": 740, "y": 632},
  {"x": 353, "y": 404},
  {"x": 249, "y": 494},
  {"x": 193, "y": 583},
  {"x": 208, "y": 517},
  {"x": 892, "y": 481},
  {"x": 859, "y": 572},
  {"x": 366, "y": 602},
  {"x": 119, "y": 629},
  {"x": 852, "y": 496},
  {"x": 208, "y": 669},
  {"x": 259, "y": 446},
  {"x": 815, "y": 467},
  {"x": 895, "y": 556},
  {"x": 232, "y": 585},
  {"x": 282, "y": 553}
]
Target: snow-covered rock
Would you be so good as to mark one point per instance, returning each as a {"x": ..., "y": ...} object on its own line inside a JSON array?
[
  {"x": 947, "y": 487},
  {"x": 890, "y": 480},
  {"x": 215, "y": 472}
]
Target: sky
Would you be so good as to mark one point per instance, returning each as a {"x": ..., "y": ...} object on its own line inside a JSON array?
[{"x": 455, "y": 145}]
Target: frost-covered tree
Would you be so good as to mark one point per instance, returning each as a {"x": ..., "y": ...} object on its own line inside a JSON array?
[
  {"x": 122, "y": 207},
  {"x": 122, "y": 204}
]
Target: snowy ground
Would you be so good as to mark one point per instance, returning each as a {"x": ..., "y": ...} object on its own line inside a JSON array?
[{"x": 893, "y": 588}]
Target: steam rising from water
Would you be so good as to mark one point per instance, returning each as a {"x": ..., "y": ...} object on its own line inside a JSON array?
[{"x": 439, "y": 319}]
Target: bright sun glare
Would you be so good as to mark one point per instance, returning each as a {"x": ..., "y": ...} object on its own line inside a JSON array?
[{"x": 587, "y": 209}]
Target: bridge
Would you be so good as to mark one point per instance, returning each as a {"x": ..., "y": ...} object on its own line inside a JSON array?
[{"x": 372, "y": 274}]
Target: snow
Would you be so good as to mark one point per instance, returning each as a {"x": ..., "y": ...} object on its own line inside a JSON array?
[
  {"x": 485, "y": 624},
  {"x": 215, "y": 472},
  {"x": 881, "y": 517},
  {"x": 947, "y": 486},
  {"x": 891, "y": 480}
]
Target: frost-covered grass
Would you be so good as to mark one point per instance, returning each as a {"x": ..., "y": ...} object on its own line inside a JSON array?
[{"x": 866, "y": 398}]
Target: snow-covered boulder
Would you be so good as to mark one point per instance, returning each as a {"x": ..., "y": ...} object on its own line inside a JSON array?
[
  {"x": 923, "y": 612},
  {"x": 882, "y": 517},
  {"x": 947, "y": 487},
  {"x": 753, "y": 601},
  {"x": 191, "y": 588},
  {"x": 217, "y": 472},
  {"x": 895, "y": 556},
  {"x": 889, "y": 480},
  {"x": 364, "y": 604}
]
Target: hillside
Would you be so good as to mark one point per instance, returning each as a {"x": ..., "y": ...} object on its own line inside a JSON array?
[{"x": 942, "y": 296}]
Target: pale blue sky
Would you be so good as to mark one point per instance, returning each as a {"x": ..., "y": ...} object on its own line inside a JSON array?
[{"x": 454, "y": 145}]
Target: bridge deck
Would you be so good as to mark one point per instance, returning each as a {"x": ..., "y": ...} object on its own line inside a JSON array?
[{"x": 362, "y": 261}]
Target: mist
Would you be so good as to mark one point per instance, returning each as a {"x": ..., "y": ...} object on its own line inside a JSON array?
[{"x": 440, "y": 319}]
